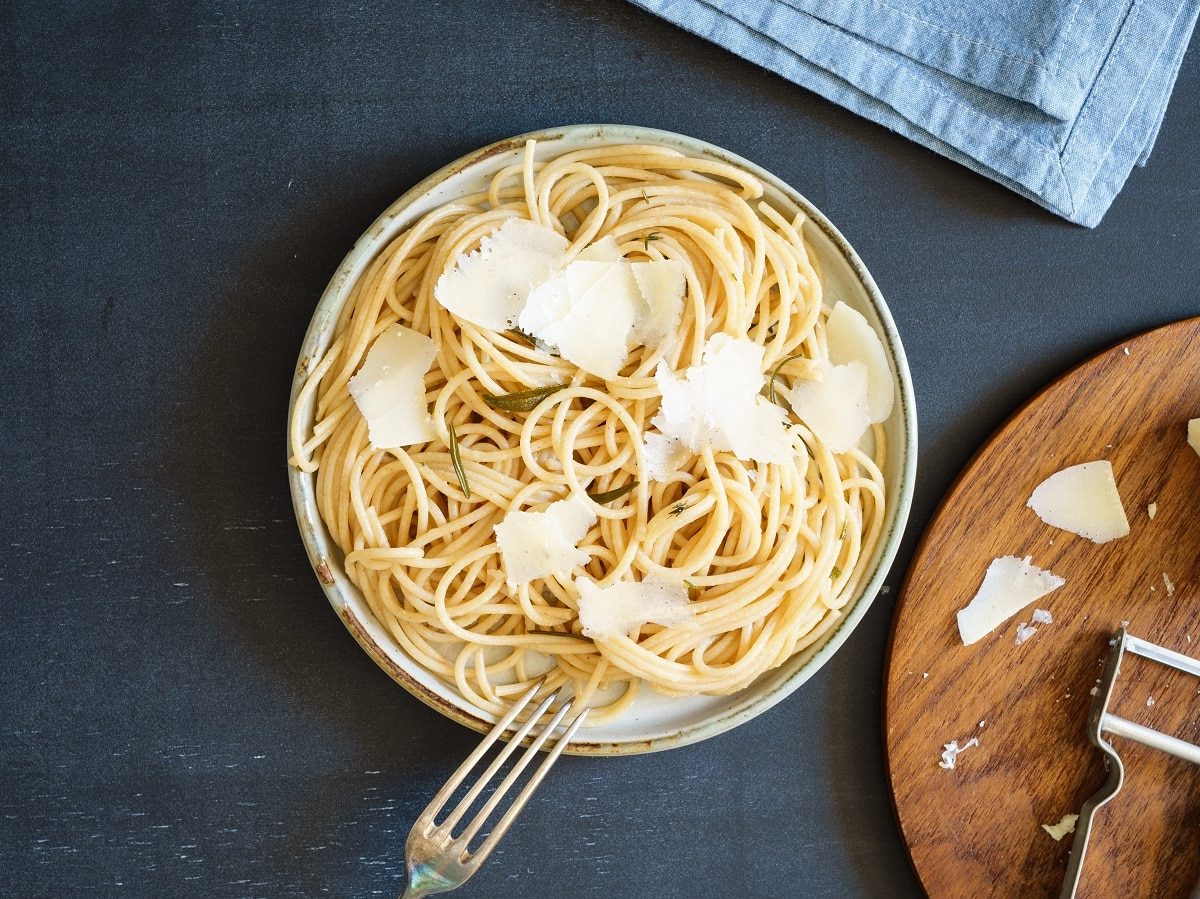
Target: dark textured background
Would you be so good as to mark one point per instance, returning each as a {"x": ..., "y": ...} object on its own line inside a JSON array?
[{"x": 182, "y": 714}]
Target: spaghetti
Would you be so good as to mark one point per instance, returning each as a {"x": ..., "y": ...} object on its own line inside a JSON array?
[{"x": 770, "y": 552}]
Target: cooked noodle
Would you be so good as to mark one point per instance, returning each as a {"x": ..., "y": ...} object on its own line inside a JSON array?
[{"x": 772, "y": 551}]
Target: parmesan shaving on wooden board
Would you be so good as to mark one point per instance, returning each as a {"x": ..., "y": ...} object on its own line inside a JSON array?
[
  {"x": 618, "y": 610},
  {"x": 1082, "y": 499},
  {"x": 716, "y": 405},
  {"x": 389, "y": 388},
  {"x": 535, "y": 545},
  {"x": 1009, "y": 585}
]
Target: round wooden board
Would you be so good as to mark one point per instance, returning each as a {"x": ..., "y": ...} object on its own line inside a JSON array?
[{"x": 974, "y": 830}]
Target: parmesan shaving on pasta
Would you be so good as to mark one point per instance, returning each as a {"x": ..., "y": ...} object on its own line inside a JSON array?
[
  {"x": 599, "y": 307},
  {"x": 835, "y": 406},
  {"x": 489, "y": 287},
  {"x": 621, "y": 609},
  {"x": 850, "y": 338},
  {"x": 389, "y": 389},
  {"x": 716, "y": 406},
  {"x": 540, "y": 544}
]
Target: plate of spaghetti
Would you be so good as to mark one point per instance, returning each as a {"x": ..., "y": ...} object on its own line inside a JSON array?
[{"x": 610, "y": 408}]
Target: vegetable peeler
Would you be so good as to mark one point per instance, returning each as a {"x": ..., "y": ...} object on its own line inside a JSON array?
[{"x": 1101, "y": 721}]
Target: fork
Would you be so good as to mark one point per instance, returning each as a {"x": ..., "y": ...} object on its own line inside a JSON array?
[{"x": 437, "y": 861}]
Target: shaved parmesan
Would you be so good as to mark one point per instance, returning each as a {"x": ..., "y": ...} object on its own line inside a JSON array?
[
  {"x": 849, "y": 338},
  {"x": 620, "y": 609},
  {"x": 540, "y": 544},
  {"x": 603, "y": 250},
  {"x": 489, "y": 287},
  {"x": 599, "y": 307},
  {"x": 1082, "y": 499},
  {"x": 1009, "y": 585},
  {"x": 660, "y": 286},
  {"x": 716, "y": 406},
  {"x": 1066, "y": 824},
  {"x": 834, "y": 407},
  {"x": 389, "y": 389},
  {"x": 594, "y": 331},
  {"x": 1194, "y": 435}
]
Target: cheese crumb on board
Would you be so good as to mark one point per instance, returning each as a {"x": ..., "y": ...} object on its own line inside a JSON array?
[
  {"x": 620, "y": 609},
  {"x": 951, "y": 751},
  {"x": 1066, "y": 824},
  {"x": 1024, "y": 632},
  {"x": 1168, "y": 584},
  {"x": 1149, "y": 701},
  {"x": 835, "y": 406},
  {"x": 1151, "y": 511},
  {"x": 716, "y": 405},
  {"x": 489, "y": 287},
  {"x": 849, "y": 338},
  {"x": 1194, "y": 435},
  {"x": 540, "y": 544},
  {"x": 389, "y": 389},
  {"x": 1009, "y": 585},
  {"x": 1082, "y": 499},
  {"x": 1042, "y": 616}
]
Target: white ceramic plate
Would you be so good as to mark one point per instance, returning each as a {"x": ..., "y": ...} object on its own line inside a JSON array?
[{"x": 654, "y": 722}]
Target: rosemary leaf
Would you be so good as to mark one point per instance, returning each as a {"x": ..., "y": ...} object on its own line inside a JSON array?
[
  {"x": 693, "y": 591},
  {"x": 775, "y": 374},
  {"x": 456, "y": 461},
  {"x": 530, "y": 341},
  {"x": 837, "y": 572},
  {"x": 653, "y": 235},
  {"x": 518, "y": 334},
  {"x": 609, "y": 495},
  {"x": 678, "y": 509},
  {"x": 842, "y": 535},
  {"x": 525, "y": 401}
]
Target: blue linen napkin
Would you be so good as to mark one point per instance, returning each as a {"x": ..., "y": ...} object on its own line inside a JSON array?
[{"x": 1056, "y": 99}]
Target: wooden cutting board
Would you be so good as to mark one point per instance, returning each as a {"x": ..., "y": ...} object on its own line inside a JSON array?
[{"x": 975, "y": 830}]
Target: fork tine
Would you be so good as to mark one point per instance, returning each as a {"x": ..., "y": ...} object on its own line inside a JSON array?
[
  {"x": 464, "y": 769},
  {"x": 509, "y": 816},
  {"x": 501, "y": 757}
]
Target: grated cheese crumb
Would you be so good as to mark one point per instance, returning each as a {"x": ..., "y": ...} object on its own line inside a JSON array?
[
  {"x": 1151, "y": 511},
  {"x": 1066, "y": 823},
  {"x": 1042, "y": 616},
  {"x": 1024, "y": 632},
  {"x": 951, "y": 751},
  {"x": 1168, "y": 584},
  {"x": 1149, "y": 701}
]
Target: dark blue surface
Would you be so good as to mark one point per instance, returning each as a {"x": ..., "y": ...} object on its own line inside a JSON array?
[{"x": 181, "y": 713}]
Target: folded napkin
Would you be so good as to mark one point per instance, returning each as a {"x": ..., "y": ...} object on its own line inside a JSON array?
[{"x": 1056, "y": 99}]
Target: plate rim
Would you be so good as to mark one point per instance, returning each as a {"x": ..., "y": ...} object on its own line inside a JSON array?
[{"x": 370, "y": 633}]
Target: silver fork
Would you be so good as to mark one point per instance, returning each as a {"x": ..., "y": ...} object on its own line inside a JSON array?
[{"x": 438, "y": 861}]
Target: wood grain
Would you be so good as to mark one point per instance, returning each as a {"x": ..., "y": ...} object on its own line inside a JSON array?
[{"x": 974, "y": 830}]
